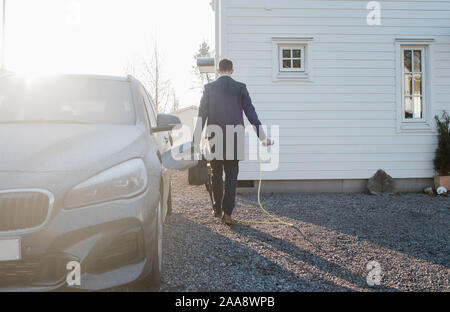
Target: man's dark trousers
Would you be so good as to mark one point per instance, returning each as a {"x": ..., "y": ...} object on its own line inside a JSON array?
[
  {"x": 224, "y": 103},
  {"x": 224, "y": 198}
]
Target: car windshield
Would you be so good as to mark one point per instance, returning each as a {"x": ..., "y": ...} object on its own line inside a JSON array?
[{"x": 65, "y": 100}]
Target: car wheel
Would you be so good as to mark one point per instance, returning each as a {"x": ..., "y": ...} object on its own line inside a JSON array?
[
  {"x": 155, "y": 276},
  {"x": 160, "y": 228}
]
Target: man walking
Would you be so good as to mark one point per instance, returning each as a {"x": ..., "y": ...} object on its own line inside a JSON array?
[{"x": 223, "y": 104}]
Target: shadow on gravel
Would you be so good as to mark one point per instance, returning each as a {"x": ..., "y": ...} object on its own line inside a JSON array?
[
  {"x": 305, "y": 256},
  {"x": 199, "y": 259},
  {"x": 413, "y": 224}
]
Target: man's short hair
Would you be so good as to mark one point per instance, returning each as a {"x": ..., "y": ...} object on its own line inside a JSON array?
[{"x": 225, "y": 66}]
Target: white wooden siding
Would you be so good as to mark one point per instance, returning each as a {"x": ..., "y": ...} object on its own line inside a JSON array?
[{"x": 343, "y": 124}]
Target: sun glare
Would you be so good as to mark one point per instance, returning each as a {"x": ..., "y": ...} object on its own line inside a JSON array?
[{"x": 102, "y": 37}]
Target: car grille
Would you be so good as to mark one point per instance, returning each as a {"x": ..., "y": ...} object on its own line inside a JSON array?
[{"x": 22, "y": 210}]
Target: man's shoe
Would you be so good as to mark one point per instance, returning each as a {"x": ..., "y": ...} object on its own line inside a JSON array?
[
  {"x": 217, "y": 213},
  {"x": 228, "y": 220}
]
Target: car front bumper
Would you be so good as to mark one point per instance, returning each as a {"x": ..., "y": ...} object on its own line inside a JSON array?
[{"x": 112, "y": 242}]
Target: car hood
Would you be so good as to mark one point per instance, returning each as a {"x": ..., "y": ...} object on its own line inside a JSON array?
[
  {"x": 67, "y": 148},
  {"x": 57, "y": 156}
]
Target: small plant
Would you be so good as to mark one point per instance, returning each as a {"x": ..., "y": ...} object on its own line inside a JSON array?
[{"x": 442, "y": 158}]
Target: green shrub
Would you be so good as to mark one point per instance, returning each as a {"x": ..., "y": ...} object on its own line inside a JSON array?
[{"x": 442, "y": 158}]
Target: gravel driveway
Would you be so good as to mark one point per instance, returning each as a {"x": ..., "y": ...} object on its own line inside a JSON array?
[{"x": 335, "y": 237}]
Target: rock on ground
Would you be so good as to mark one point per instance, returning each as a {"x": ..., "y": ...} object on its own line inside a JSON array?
[{"x": 381, "y": 183}]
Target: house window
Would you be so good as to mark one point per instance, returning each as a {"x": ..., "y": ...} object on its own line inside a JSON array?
[
  {"x": 413, "y": 72},
  {"x": 292, "y": 59},
  {"x": 414, "y": 60}
]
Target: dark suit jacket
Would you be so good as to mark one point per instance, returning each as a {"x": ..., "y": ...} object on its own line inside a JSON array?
[{"x": 224, "y": 102}]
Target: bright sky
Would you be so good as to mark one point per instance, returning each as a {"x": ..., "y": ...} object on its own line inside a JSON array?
[{"x": 102, "y": 36}]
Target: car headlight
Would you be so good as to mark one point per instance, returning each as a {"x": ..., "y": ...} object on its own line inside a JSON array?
[{"x": 125, "y": 180}]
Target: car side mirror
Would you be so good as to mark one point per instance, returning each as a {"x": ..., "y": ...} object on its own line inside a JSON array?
[{"x": 166, "y": 122}]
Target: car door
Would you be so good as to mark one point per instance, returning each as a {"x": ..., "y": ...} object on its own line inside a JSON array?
[{"x": 164, "y": 142}]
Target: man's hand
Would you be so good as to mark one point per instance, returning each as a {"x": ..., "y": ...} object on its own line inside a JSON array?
[{"x": 267, "y": 142}]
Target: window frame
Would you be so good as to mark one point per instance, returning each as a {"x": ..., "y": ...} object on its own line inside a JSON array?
[
  {"x": 425, "y": 124},
  {"x": 423, "y": 73},
  {"x": 282, "y": 48},
  {"x": 151, "y": 115},
  {"x": 305, "y": 73}
]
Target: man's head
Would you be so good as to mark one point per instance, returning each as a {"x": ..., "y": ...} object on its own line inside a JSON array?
[{"x": 225, "y": 67}]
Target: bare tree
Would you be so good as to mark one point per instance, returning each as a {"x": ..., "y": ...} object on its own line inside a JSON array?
[
  {"x": 204, "y": 50},
  {"x": 150, "y": 73},
  {"x": 175, "y": 103}
]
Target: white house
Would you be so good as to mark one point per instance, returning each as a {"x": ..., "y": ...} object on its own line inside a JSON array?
[{"x": 350, "y": 96}]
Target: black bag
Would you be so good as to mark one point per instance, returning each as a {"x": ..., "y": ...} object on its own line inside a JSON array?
[{"x": 199, "y": 175}]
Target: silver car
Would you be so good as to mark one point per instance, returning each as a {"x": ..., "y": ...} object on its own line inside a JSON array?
[{"x": 82, "y": 187}]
